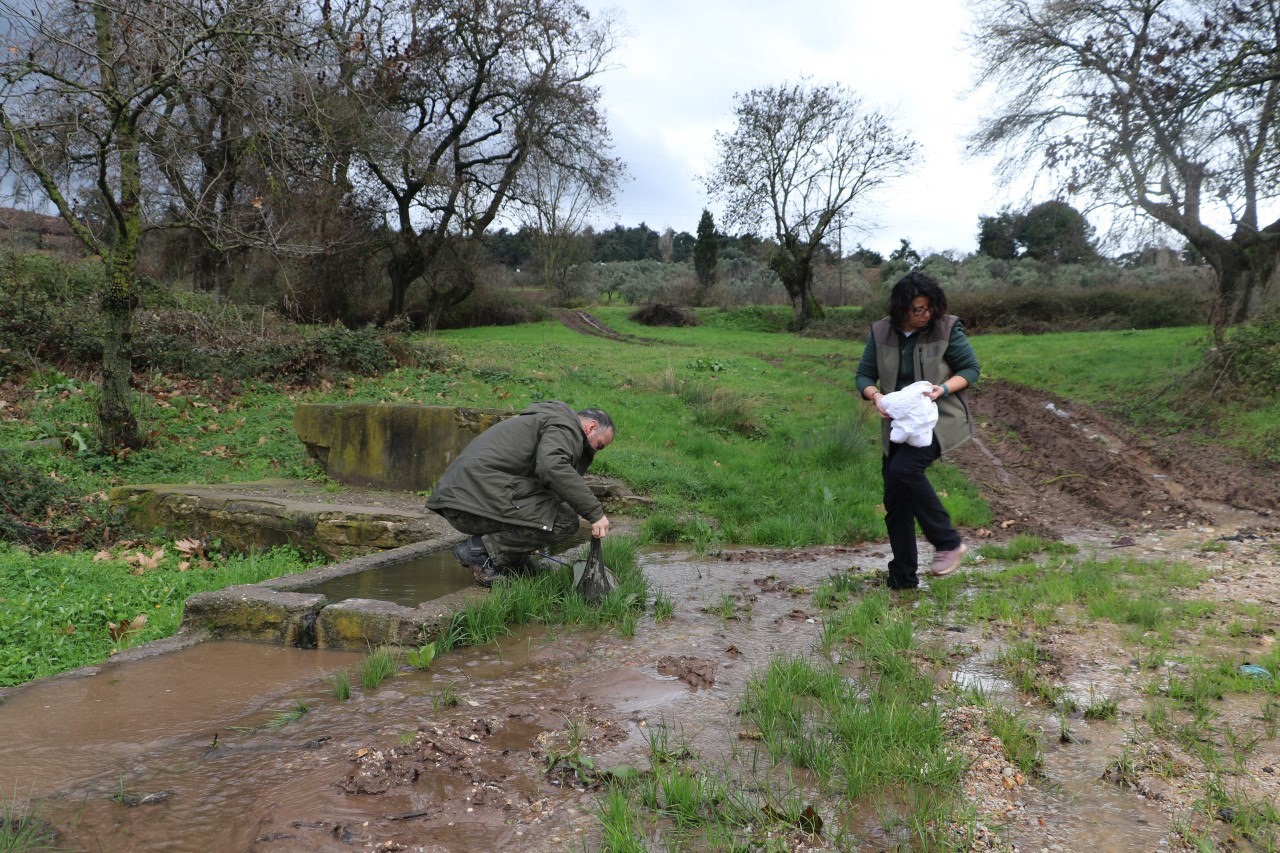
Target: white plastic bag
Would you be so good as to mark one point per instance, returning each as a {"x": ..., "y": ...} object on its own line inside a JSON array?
[{"x": 914, "y": 414}]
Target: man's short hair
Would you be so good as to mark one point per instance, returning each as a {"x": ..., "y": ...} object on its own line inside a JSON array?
[{"x": 597, "y": 415}]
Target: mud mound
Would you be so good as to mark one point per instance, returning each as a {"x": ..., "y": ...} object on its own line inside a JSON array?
[
  {"x": 660, "y": 314},
  {"x": 1047, "y": 465}
]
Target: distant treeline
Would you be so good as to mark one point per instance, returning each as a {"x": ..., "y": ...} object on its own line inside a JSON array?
[{"x": 515, "y": 249}]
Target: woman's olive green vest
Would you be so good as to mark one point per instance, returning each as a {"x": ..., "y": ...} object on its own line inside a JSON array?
[{"x": 954, "y": 427}]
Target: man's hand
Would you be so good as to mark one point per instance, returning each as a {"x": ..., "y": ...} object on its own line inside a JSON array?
[{"x": 600, "y": 529}]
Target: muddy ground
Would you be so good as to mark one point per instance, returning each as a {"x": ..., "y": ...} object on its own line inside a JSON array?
[
  {"x": 398, "y": 769},
  {"x": 1047, "y": 467}
]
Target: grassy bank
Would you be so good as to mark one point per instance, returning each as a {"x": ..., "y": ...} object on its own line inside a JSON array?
[{"x": 738, "y": 435}]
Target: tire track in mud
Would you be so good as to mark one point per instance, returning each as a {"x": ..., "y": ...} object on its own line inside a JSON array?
[{"x": 1049, "y": 465}]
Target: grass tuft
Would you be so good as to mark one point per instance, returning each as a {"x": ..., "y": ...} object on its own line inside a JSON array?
[{"x": 377, "y": 666}]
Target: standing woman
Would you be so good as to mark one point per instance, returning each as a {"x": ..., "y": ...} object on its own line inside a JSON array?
[{"x": 918, "y": 341}]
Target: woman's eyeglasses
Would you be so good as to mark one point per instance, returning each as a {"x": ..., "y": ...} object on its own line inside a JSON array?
[{"x": 919, "y": 310}]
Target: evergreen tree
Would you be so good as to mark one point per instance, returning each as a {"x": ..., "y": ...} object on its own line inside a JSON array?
[
  {"x": 998, "y": 235},
  {"x": 705, "y": 254},
  {"x": 1055, "y": 231}
]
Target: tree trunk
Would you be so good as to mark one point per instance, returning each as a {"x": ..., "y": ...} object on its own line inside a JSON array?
[
  {"x": 118, "y": 425},
  {"x": 795, "y": 270},
  {"x": 211, "y": 272},
  {"x": 452, "y": 283},
  {"x": 1242, "y": 272},
  {"x": 407, "y": 264}
]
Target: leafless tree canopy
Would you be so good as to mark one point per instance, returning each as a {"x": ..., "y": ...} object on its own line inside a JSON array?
[
  {"x": 1163, "y": 106},
  {"x": 801, "y": 160},
  {"x": 91, "y": 96},
  {"x": 434, "y": 107},
  {"x": 237, "y": 119}
]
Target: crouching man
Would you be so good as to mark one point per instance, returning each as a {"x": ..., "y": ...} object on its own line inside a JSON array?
[{"x": 518, "y": 487}]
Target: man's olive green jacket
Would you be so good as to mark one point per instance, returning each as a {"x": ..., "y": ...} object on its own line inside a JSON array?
[{"x": 520, "y": 469}]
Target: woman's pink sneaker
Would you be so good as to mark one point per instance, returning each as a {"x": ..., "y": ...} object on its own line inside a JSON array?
[{"x": 946, "y": 562}]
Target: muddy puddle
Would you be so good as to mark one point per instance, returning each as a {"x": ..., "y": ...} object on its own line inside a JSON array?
[
  {"x": 195, "y": 748},
  {"x": 408, "y": 583}
]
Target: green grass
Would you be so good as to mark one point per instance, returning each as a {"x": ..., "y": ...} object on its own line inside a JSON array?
[
  {"x": 549, "y": 598},
  {"x": 1094, "y": 367},
  {"x": 290, "y": 715},
  {"x": 23, "y": 828},
  {"x": 340, "y": 682},
  {"x": 377, "y": 666},
  {"x": 446, "y": 697},
  {"x": 870, "y": 736},
  {"x": 56, "y": 610}
]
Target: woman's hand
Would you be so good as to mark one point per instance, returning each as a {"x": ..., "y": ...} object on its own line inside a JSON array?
[{"x": 876, "y": 399}]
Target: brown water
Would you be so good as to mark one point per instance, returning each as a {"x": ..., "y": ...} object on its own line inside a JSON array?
[
  {"x": 409, "y": 583},
  {"x": 186, "y": 735}
]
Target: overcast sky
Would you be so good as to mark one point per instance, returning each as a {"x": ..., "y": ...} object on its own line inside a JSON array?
[{"x": 681, "y": 62}]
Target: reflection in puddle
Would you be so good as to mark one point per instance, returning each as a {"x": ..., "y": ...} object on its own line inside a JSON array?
[
  {"x": 409, "y": 583},
  {"x": 982, "y": 682}
]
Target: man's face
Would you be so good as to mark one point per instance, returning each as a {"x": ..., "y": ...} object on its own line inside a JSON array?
[{"x": 597, "y": 436}]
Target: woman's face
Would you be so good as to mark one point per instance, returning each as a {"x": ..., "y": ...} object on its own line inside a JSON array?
[{"x": 919, "y": 315}]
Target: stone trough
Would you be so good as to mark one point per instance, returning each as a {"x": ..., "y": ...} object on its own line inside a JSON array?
[
  {"x": 277, "y": 611},
  {"x": 384, "y": 459}
]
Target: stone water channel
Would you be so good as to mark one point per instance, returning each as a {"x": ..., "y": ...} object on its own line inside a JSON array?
[{"x": 173, "y": 747}]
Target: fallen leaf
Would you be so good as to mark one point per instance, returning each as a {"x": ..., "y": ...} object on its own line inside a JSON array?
[
  {"x": 1007, "y": 523},
  {"x": 184, "y": 565},
  {"x": 119, "y": 630},
  {"x": 104, "y": 554},
  {"x": 189, "y": 546}
]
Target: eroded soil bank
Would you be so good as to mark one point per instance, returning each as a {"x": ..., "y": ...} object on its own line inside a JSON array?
[{"x": 186, "y": 750}]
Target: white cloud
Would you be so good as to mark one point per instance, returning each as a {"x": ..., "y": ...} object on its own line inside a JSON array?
[{"x": 682, "y": 62}]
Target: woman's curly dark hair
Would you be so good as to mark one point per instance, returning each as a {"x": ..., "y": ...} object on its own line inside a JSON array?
[{"x": 910, "y": 286}]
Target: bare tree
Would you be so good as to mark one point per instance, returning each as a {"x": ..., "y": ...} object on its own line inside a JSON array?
[
  {"x": 667, "y": 244},
  {"x": 83, "y": 87},
  {"x": 453, "y": 97},
  {"x": 801, "y": 159},
  {"x": 1167, "y": 108},
  {"x": 556, "y": 194}
]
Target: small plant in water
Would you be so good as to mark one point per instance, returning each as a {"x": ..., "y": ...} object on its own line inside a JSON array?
[
  {"x": 22, "y": 827},
  {"x": 1064, "y": 730},
  {"x": 726, "y": 608},
  {"x": 421, "y": 658},
  {"x": 570, "y": 759},
  {"x": 297, "y": 712},
  {"x": 341, "y": 684},
  {"x": 1101, "y": 707},
  {"x": 406, "y": 738},
  {"x": 661, "y": 749},
  {"x": 1122, "y": 770},
  {"x": 377, "y": 667},
  {"x": 663, "y": 606},
  {"x": 446, "y": 697}
]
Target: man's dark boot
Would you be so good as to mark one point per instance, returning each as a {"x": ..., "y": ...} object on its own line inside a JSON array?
[
  {"x": 485, "y": 573},
  {"x": 470, "y": 552}
]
